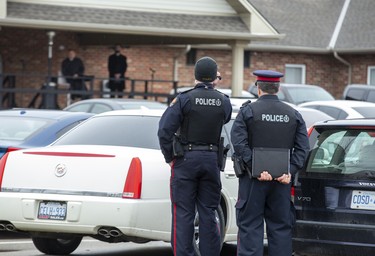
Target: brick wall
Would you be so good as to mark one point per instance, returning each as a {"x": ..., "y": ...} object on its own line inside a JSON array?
[{"x": 25, "y": 53}]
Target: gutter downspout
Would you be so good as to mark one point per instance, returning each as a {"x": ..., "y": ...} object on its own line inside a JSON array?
[
  {"x": 175, "y": 61},
  {"x": 335, "y": 35},
  {"x": 346, "y": 63}
]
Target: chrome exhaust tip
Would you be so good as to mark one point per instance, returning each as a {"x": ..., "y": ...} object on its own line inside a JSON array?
[
  {"x": 10, "y": 227},
  {"x": 103, "y": 232},
  {"x": 115, "y": 233}
]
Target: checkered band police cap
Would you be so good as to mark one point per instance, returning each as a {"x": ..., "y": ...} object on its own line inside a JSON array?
[{"x": 205, "y": 69}]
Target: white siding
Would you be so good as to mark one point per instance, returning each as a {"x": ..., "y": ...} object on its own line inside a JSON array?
[
  {"x": 3, "y": 11},
  {"x": 209, "y": 7}
]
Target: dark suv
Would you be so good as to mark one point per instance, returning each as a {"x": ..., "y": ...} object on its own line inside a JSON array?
[
  {"x": 298, "y": 93},
  {"x": 361, "y": 92},
  {"x": 334, "y": 194}
]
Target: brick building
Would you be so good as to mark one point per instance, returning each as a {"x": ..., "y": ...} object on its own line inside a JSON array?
[{"x": 328, "y": 43}]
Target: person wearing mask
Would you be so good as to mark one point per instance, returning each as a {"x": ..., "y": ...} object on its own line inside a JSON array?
[
  {"x": 73, "y": 69},
  {"x": 270, "y": 137},
  {"x": 189, "y": 136},
  {"x": 117, "y": 66}
]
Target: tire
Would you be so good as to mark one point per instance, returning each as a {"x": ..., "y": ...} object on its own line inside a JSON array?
[
  {"x": 56, "y": 246},
  {"x": 220, "y": 218}
]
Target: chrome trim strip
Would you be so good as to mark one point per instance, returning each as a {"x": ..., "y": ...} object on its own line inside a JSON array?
[
  {"x": 61, "y": 192},
  {"x": 335, "y": 225}
]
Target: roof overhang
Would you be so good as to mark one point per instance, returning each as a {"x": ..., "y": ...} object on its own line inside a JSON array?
[{"x": 98, "y": 32}]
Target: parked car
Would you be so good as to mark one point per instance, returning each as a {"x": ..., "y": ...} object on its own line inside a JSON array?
[
  {"x": 343, "y": 109},
  {"x": 362, "y": 92},
  {"x": 334, "y": 194},
  {"x": 100, "y": 105},
  {"x": 311, "y": 116},
  {"x": 106, "y": 179},
  {"x": 27, "y": 128},
  {"x": 298, "y": 93}
]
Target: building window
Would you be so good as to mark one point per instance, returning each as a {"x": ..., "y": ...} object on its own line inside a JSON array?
[
  {"x": 295, "y": 74},
  {"x": 246, "y": 59},
  {"x": 191, "y": 57},
  {"x": 371, "y": 75}
]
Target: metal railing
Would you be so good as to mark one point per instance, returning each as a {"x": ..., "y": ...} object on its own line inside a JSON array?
[{"x": 37, "y": 92}]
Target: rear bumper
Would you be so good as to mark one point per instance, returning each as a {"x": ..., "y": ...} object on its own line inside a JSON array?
[
  {"x": 86, "y": 214},
  {"x": 329, "y": 238}
]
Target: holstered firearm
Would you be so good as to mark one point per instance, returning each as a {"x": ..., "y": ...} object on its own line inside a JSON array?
[
  {"x": 238, "y": 165},
  {"x": 178, "y": 150},
  {"x": 222, "y": 154}
]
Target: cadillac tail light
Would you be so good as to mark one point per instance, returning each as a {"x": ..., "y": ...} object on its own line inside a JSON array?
[
  {"x": 133, "y": 183},
  {"x": 2, "y": 167}
]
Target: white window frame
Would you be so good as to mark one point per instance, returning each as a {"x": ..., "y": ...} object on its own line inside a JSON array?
[
  {"x": 369, "y": 69},
  {"x": 300, "y": 66}
]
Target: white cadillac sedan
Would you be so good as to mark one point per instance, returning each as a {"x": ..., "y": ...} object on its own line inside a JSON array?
[{"x": 106, "y": 179}]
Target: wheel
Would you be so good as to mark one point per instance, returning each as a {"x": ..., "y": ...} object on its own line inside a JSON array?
[
  {"x": 219, "y": 214},
  {"x": 56, "y": 246}
]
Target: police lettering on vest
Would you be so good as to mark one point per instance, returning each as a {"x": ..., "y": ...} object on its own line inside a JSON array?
[
  {"x": 275, "y": 118},
  {"x": 203, "y": 123},
  {"x": 207, "y": 102}
]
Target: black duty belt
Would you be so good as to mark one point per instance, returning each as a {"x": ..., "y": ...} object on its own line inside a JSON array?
[{"x": 192, "y": 147}]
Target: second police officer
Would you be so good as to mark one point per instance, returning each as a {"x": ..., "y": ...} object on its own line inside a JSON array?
[
  {"x": 262, "y": 128},
  {"x": 189, "y": 136}
]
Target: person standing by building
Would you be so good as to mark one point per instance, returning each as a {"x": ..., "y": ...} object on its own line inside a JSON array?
[
  {"x": 73, "y": 69},
  {"x": 260, "y": 129},
  {"x": 117, "y": 66},
  {"x": 189, "y": 136}
]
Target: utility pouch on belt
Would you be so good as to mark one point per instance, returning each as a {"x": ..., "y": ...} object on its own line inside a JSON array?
[
  {"x": 222, "y": 154},
  {"x": 238, "y": 165},
  {"x": 178, "y": 150}
]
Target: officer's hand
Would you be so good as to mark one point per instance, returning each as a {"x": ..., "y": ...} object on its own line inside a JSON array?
[
  {"x": 265, "y": 176},
  {"x": 284, "y": 179}
]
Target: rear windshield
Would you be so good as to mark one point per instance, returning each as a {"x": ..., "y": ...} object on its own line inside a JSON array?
[
  {"x": 132, "y": 131},
  {"x": 367, "y": 112},
  {"x": 19, "y": 128},
  {"x": 343, "y": 151}
]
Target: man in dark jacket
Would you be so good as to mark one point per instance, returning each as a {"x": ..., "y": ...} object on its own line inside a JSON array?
[
  {"x": 72, "y": 68},
  {"x": 117, "y": 66}
]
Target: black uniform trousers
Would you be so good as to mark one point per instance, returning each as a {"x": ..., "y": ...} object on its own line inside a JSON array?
[
  {"x": 195, "y": 184},
  {"x": 259, "y": 201}
]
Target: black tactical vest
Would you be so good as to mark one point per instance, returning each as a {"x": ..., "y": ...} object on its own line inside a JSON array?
[
  {"x": 203, "y": 124},
  {"x": 273, "y": 126}
]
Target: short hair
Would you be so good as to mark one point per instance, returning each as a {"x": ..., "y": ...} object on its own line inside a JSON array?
[{"x": 268, "y": 87}]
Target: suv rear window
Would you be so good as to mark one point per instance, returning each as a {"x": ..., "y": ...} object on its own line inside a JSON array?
[{"x": 343, "y": 151}]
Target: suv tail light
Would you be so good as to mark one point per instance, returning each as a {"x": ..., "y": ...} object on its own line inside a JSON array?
[
  {"x": 2, "y": 167},
  {"x": 292, "y": 193},
  {"x": 133, "y": 183},
  {"x": 309, "y": 131}
]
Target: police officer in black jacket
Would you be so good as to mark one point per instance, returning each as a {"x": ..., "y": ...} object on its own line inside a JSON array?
[
  {"x": 267, "y": 124},
  {"x": 189, "y": 135}
]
